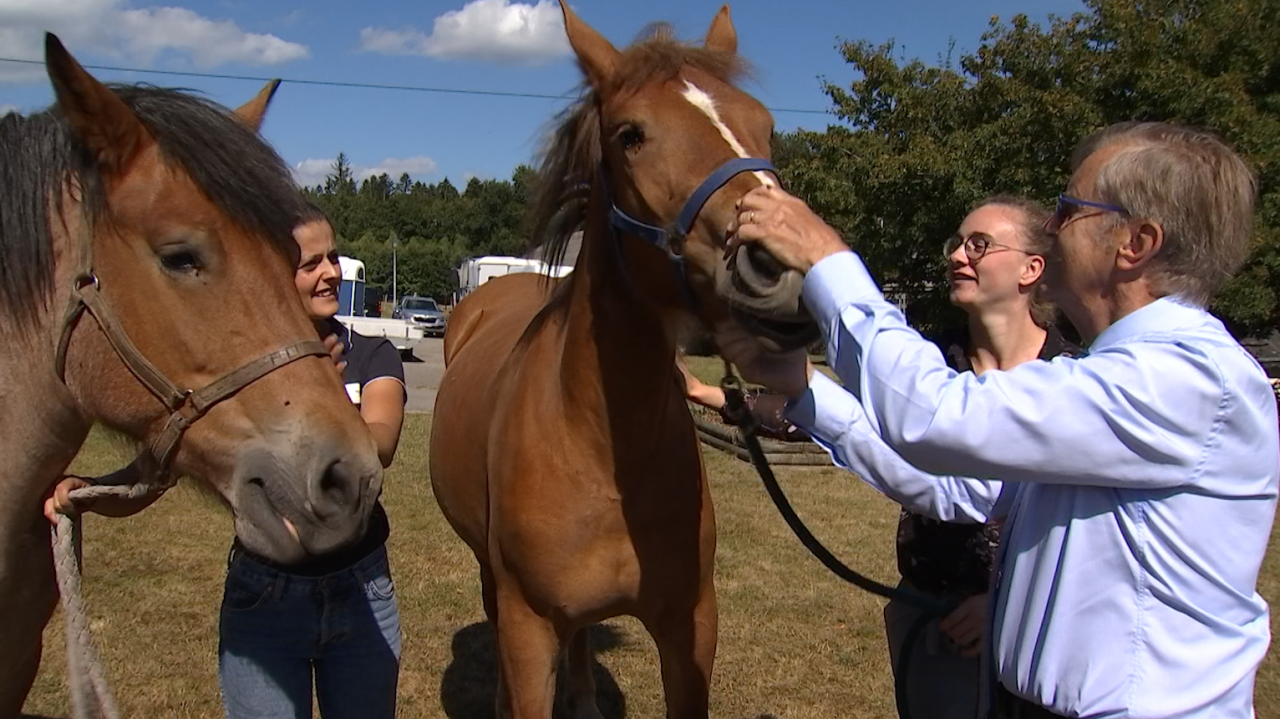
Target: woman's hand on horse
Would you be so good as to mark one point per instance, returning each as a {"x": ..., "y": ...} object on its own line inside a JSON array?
[
  {"x": 967, "y": 625},
  {"x": 58, "y": 500},
  {"x": 784, "y": 226},
  {"x": 334, "y": 345}
]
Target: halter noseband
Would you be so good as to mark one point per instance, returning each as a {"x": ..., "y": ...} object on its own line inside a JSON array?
[
  {"x": 667, "y": 239},
  {"x": 185, "y": 405}
]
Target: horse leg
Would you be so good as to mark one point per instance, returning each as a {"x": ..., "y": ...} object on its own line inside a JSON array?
[
  {"x": 686, "y": 642},
  {"x": 27, "y": 600},
  {"x": 489, "y": 592},
  {"x": 580, "y": 685},
  {"x": 528, "y": 655}
]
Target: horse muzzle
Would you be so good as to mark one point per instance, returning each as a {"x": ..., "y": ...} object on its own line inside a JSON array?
[{"x": 767, "y": 299}]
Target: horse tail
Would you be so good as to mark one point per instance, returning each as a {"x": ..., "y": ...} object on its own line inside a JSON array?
[{"x": 459, "y": 331}]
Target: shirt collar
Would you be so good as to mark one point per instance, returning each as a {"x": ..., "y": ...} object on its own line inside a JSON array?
[
  {"x": 336, "y": 327},
  {"x": 1163, "y": 315}
]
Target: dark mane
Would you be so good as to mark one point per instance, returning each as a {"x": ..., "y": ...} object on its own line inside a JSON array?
[
  {"x": 571, "y": 153},
  {"x": 239, "y": 172}
]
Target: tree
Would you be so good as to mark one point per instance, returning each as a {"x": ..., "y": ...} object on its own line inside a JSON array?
[
  {"x": 341, "y": 181},
  {"x": 925, "y": 142}
]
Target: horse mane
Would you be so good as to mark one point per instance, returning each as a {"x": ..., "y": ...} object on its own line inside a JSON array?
[
  {"x": 231, "y": 164},
  {"x": 570, "y": 156}
]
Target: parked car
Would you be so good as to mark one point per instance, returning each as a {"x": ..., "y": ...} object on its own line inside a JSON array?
[
  {"x": 421, "y": 312},
  {"x": 352, "y": 303}
]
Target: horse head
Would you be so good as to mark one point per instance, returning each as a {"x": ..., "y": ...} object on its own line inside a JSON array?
[
  {"x": 674, "y": 143},
  {"x": 175, "y": 226}
]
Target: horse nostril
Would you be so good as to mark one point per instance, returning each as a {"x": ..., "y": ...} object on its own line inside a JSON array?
[
  {"x": 334, "y": 491},
  {"x": 765, "y": 263}
]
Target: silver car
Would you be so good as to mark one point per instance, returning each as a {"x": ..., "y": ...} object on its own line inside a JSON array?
[{"x": 422, "y": 312}]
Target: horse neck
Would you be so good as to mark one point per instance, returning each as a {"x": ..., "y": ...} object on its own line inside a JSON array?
[
  {"x": 40, "y": 421},
  {"x": 618, "y": 358}
]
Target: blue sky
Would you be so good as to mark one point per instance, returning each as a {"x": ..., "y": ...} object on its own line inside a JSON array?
[{"x": 492, "y": 45}]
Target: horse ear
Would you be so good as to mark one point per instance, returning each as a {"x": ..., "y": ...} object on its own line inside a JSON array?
[
  {"x": 598, "y": 57},
  {"x": 96, "y": 115},
  {"x": 252, "y": 112},
  {"x": 722, "y": 37}
]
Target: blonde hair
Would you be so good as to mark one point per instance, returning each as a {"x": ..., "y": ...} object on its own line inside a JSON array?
[{"x": 1035, "y": 241}]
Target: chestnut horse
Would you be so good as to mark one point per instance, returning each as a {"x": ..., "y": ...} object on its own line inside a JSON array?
[
  {"x": 562, "y": 450},
  {"x": 146, "y": 249}
]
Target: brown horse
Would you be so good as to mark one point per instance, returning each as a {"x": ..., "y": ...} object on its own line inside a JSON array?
[
  {"x": 170, "y": 218},
  {"x": 562, "y": 450}
]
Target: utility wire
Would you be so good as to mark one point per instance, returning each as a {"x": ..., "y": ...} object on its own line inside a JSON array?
[{"x": 362, "y": 85}]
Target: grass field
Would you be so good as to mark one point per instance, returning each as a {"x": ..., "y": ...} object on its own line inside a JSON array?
[{"x": 794, "y": 641}]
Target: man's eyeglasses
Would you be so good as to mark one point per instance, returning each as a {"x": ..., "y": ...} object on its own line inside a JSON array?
[
  {"x": 976, "y": 246},
  {"x": 1069, "y": 207}
]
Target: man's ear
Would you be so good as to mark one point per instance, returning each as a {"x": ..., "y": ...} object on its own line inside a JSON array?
[{"x": 1146, "y": 238}]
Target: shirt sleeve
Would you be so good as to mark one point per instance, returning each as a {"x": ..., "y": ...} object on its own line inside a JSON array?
[
  {"x": 836, "y": 421},
  {"x": 1108, "y": 419},
  {"x": 384, "y": 363}
]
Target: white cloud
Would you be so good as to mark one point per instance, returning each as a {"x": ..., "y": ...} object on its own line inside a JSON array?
[
  {"x": 146, "y": 33},
  {"x": 311, "y": 172},
  {"x": 6, "y": 109},
  {"x": 497, "y": 31},
  {"x": 418, "y": 166},
  {"x": 133, "y": 35}
]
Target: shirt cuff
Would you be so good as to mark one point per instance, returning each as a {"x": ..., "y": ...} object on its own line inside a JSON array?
[
  {"x": 825, "y": 410},
  {"x": 835, "y": 283}
]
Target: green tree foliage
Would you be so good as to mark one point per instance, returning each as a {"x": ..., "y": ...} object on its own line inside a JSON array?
[
  {"x": 432, "y": 227},
  {"x": 925, "y": 142}
]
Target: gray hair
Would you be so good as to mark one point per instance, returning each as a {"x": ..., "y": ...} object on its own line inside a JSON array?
[{"x": 1194, "y": 186}]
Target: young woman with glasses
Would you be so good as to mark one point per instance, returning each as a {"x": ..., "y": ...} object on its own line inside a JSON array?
[{"x": 994, "y": 265}]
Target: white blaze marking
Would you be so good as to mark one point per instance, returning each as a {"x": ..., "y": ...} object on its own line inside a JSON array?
[{"x": 703, "y": 101}]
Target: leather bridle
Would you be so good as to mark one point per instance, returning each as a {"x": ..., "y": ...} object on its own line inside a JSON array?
[{"x": 185, "y": 405}]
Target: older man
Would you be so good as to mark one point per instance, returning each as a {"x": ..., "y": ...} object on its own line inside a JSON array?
[{"x": 1141, "y": 478}]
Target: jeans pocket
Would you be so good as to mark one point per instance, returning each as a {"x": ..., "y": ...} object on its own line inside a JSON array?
[
  {"x": 242, "y": 595},
  {"x": 380, "y": 588}
]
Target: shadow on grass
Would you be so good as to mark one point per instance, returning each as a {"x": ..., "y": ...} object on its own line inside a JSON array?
[{"x": 470, "y": 681}]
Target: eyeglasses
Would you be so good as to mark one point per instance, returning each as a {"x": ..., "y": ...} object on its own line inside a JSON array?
[
  {"x": 976, "y": 246},
  {"x": 1069, "y": 206}
]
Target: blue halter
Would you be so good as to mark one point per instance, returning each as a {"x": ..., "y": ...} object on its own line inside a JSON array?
[{"x": 666, "y": 239}]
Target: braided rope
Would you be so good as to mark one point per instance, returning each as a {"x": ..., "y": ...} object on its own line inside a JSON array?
[{"x": 90, "y": 692}]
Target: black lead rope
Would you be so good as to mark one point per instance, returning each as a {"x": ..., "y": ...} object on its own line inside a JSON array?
[{"x": 932, "y": 607}]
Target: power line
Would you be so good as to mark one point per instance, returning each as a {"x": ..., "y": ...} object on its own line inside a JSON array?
[{"x": 361, "y": 85}]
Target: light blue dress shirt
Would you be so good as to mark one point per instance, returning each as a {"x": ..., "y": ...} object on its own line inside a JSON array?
[{"x": 1140, "y": 489}]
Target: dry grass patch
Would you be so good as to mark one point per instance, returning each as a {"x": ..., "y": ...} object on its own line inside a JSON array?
[{"x": 794, "y": 641}]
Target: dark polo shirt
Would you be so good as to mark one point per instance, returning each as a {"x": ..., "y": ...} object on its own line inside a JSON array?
[{"x": 368, "y": 359}]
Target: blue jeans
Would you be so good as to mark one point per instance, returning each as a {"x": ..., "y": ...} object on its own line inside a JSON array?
[{"x": 277, "y": 630}]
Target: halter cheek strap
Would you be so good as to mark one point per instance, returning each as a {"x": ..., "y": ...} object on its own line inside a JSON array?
[
  {"x": 185, "y": 405},
  {"x": 670, "y": 240}
]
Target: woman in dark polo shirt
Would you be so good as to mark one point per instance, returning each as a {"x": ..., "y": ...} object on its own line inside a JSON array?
[{"x": 333, "y": 618}]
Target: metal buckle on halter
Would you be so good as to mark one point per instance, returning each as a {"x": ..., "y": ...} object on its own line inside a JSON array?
[{"x": 83, "y": 280}]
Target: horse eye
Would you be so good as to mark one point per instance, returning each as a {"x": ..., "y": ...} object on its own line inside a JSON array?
[
  {"x": 631, "y": 138},
  {"x": 184, "y": 261}
]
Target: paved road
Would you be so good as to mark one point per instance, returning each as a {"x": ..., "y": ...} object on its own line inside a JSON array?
[{"x": 422, "y": 374}]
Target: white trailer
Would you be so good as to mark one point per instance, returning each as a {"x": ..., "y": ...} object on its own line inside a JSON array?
[
  {"x": 351, "y": 312},
  {"x": 479, "y": 270}
]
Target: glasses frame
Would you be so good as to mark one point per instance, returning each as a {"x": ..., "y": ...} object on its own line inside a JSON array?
[
  {"x": 950, "y": 245},
  {"x": 1068, "y": 206}
]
